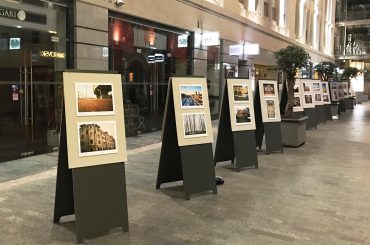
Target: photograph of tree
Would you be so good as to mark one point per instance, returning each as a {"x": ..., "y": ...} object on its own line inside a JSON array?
[
  {"x": 97, "y": 138},
  {"x": 317, "y": 97},
  {"x": 296, "y": 102},
  {"x": 308, "y": 99},
  {"x": 241, "y": 93},
  {"x": 268, "y": 89},
  {"x": 94, "y": 99},
  {"x": 191, "y": 96},
  {"x": 242, "y": 115},
  {"x": 271, "y": 114},
  {"x": 194, "y": 125},
  {"x": 306, "y": 87}
]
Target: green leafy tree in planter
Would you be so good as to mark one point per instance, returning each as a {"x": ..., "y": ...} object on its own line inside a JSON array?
[
  {"x": 290, "y": 60},
  {"x": 325, "y": 69},
  {"x": 350, "y": 72}
]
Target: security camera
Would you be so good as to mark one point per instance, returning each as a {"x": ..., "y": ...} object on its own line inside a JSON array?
[{"x": 119, "y": 3}]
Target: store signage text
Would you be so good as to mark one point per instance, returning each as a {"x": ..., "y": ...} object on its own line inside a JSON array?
[
  {"x": 182, "y": 41},
  {"x": 155, "y": 58},
  {"x": 12, "y": 13},
  {"x": 52, "y": 54},
  {"x": 244, "y": 49},
  {"x": 210, "y": 39}
]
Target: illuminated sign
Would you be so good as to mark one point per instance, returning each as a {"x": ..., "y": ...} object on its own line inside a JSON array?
[
  {"x": 52, "y": 54},
  {"x": 12, "y": 13},
  {"x": 14, "y": 43},
  {"x": 210, "y": 39},
  {"x": 246, "y": 49},
  {"x": 155, "y": 58},
  {"x": 182, "y": 41}
]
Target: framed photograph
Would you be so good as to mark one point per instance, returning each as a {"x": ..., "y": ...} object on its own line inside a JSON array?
[
  {"x": 296, "y": 102},
  {"x": 242, "y": 115},
  {"x": 335, "y": 95},
  {"x": 340, "y": 86},
  {"x": 270, "y": 105},
  {"x": 325, "y": 98},
  {"x": 241, "y": 93},
  {"x": 317, "y": 97},
  {"x": 316, "y": 87},
  {"x": 308, "y": 99},
  {"x": 333, "y": 85},
  {"x": 194, "y": 125},
  {"x": 296, "y": 88},
  {"x": 306, "y": 87},
  {"x": 191, "y": 96},
  {"x": 94, "y": 99},
  {"x": 97, "y": 138},
  {"x": 268, "y": 89},
  {"x": 324, "y": 88}
]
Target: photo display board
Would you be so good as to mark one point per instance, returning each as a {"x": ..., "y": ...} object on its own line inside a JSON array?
[
  {"x": 241, "y": 104},
  {"x": 346, "y": 90},
  {"x": 334, "y": 91},
  {"x": 307, "y": 93},
  {"x": 317, "y": 92},
  {"x": 325, "y": 93},
  {"x": 298, "y": 101},
  {"x": 94, "y": 119},
  {"x": 193, "y": 117},
  {"x": 340, "y": 90},
  {"x": 269, "y": 99}
]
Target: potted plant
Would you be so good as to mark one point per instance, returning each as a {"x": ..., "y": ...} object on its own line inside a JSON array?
[
  {"x": 290, "y": 60},
  {"x": 327, "y": 70},
  {"x": 348, "y": 74}
]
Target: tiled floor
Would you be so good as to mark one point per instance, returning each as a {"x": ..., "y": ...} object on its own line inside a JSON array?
[{"x": 316, "y": 194}]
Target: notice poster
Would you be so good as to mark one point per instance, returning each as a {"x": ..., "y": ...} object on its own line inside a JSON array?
[
  {"x": 193, "y": 117},
  {"x": 269, "y": 99},
  {"x": 241, "y": 104},
  {"x": 94, "y": 119}
]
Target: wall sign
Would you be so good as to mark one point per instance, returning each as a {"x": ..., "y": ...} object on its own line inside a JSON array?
[
  {"x": 14, "y": 43},
  {"x": 182, "y": 41},
  {"x": 13, "y": 13},
  {"x": 211, "y": 39},
  {"x": 52, "y": 54}
]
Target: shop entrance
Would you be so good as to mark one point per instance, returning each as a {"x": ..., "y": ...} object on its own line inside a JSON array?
[{"x": 29, "y": 102}]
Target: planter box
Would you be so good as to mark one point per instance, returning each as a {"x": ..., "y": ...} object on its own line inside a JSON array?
[
  {"x": 349, "y": 103},
  {"x": 293, "y": 131}
]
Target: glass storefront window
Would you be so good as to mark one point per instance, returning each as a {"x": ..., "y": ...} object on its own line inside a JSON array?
[
  {"x": 146, "y": 57},
  {"x": 30, "y": 92}
]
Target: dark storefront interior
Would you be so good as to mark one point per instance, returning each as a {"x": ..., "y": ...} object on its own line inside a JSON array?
[{"x": 146, "y": 57}]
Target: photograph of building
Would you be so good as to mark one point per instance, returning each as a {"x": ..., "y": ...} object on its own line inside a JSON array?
[{"x": 95, "y": 138}]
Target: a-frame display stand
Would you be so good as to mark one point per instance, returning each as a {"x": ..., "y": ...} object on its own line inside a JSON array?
[
  {"x": 271, "y": 130},
  {"x": 193, "y": 163},
  {"x": 96, "y": 195},
  {"x": 238, "y": 145}
]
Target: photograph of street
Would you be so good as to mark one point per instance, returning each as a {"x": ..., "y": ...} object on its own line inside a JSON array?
[
  {"x": 268, "y": 89},
  {"x": 191, "y": 96},
  {"x": 271, "y": 114},
  {"x": 324, "y": 88},
  {"x": 97, "y": 138},
  {"x": 194, "y": 125},
  {"x": 94, "y": 99},
  {"x": 241, "y": 93},
  {"x": 242, "y": 115}
]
